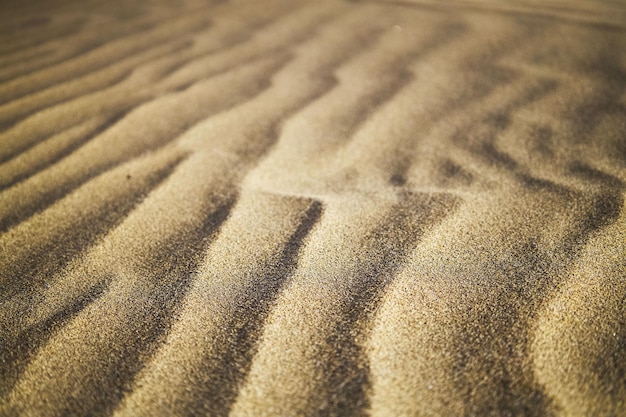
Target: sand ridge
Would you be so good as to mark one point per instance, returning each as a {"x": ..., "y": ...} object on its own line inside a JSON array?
[{"x": 333, "y": 208}]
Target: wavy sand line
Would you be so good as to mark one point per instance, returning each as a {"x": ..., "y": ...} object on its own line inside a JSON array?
[
  {"x": 97, "y": 58},
  {"x": 211, "y": 329},
  {"x": 40, "y": 249},
  {"x": 124, "y": 140}
]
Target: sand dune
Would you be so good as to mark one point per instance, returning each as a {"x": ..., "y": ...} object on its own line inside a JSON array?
[{"x": 334, "y": 208}]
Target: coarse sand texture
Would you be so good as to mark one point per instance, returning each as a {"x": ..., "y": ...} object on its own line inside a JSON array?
[{"x": 282, "y": 208}]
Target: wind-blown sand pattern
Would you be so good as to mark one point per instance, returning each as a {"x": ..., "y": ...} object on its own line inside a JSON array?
[{"x": 328, "y": 208}]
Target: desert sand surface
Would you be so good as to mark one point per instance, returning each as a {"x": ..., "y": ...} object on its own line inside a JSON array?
[{"x": 313, "y": 208}]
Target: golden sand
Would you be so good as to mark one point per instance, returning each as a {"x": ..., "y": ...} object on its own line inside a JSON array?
[{"x": 329, "y": 208}]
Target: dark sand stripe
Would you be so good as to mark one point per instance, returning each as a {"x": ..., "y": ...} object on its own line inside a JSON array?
[
  {"x": 213, "y": 329},
  {"x": 130, "y": 137},
  {"x": 38, "y": 249}
]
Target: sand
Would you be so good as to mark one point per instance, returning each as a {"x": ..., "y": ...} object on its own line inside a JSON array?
[{"x": 330, "y": 208}]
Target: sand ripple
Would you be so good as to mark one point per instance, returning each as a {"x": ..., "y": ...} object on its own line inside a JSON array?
[{"x": 333, "y": 208}]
